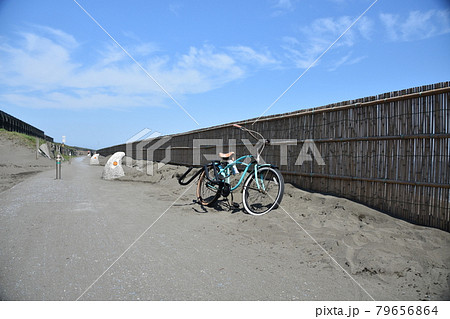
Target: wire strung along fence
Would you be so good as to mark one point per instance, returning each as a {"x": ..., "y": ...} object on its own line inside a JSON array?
[{"x": 390, "y": 151}]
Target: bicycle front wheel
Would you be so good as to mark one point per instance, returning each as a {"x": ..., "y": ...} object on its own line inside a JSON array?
[
  {"x": 207, "y": 192},
  {"x": 263, "y": 192}
]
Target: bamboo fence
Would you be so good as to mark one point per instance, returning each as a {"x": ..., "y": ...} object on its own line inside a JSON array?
[
  {"x": 390, "y": 152},
  {"x": 13, "y": 124}
]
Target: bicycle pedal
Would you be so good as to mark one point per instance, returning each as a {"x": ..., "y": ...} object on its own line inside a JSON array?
[{"x": 235, "y": 205}]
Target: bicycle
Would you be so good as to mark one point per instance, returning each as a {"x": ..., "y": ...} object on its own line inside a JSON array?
[{"x": 263, "y": 186}]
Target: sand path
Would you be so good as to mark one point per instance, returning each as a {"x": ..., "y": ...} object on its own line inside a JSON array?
[{"x": 59, "y": 236}]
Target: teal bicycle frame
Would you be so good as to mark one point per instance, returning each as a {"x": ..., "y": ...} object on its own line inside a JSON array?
[{"x": 227, "y": 171}]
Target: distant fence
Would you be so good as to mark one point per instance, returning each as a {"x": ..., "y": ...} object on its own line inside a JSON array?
[
  {"x": 390, "y": 152},
  {"x": 13, "y": 124}
]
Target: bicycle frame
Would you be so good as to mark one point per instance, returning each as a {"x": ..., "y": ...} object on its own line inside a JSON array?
[{"x": 226, "y": 172}]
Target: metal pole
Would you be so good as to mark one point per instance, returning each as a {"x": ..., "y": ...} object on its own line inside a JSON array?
[
  {"x": 58, "y": 166},
  {"x": 37, "y": 147}
]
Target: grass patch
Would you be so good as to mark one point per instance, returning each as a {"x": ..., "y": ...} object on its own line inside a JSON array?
[
  {"x": 20, "y": 138},
  {"x": 30, "y": 141}
]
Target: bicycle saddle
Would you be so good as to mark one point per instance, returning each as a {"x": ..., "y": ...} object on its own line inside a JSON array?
[{"x": 225, "y": 156}]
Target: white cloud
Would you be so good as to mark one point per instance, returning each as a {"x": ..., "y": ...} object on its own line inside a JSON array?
[
  {"x": 59, "y": 36},
  {"x": 282, "y": 6},
  {"x": 175, "y": 8},
  {"x": 247, "y": 54},
  {"x": 339, "y": 2},
  {"x": 346, "y": 60},
  {"x": 110, "y": 55},
  {"x": 200, "y": 70},
  {"x": 85, "y": 100},
  {"x": 315, "y": 38},
  {"x": 365, "y": 27},
  {"x": 36, "y": 62},
  {"x": 41, "y": 70},
  {"x": 417, "y": 25}
]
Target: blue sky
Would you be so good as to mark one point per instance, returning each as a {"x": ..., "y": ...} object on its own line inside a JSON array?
[{"x": 222, "y": 61}]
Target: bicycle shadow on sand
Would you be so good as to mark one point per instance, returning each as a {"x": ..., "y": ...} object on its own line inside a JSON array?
[{"x": 221, "y": 205}]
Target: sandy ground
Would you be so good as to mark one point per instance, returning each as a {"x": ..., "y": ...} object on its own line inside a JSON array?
[
  {"x": 17, "y": 162},
  {"x": 153, "y": 242},
  {"x": 397, "y": 259}
]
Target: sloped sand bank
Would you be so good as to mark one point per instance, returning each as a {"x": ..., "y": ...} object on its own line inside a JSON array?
[{"x": 390, "y": 258}]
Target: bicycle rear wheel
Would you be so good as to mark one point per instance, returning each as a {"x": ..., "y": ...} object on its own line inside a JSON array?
[
  {"x": 207, "y": 192},
  {"x": 260, "y": 197}
]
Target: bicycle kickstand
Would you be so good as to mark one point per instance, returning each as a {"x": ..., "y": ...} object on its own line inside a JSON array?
[{"x": 232, "y": 204}]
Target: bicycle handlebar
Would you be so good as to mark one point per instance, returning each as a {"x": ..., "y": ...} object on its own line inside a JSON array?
[{"x": 253, "y": 133}]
